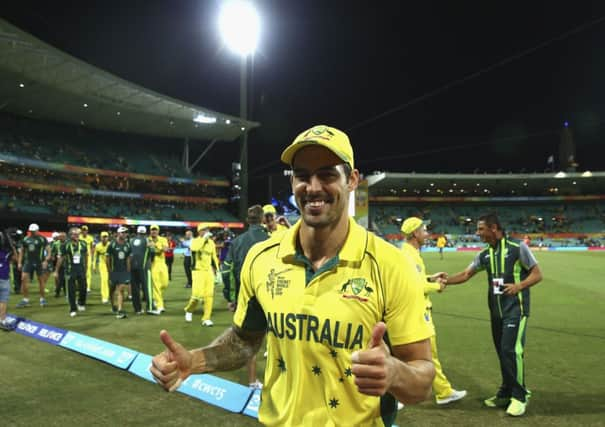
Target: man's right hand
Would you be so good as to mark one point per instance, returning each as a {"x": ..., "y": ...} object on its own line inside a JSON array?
[{"x": 173, "y": 365}]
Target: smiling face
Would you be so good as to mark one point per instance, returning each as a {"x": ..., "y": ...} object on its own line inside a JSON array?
[
  {"x": 421, "y": 234},
  {"x": 487, "y": 232},
  {"x": 320, "y": 186}
]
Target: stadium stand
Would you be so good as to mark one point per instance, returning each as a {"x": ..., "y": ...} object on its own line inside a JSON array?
[{"x": 553, "y": 211}]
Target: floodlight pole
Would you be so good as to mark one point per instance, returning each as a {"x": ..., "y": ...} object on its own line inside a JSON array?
[{"x": 243, "y": 112}]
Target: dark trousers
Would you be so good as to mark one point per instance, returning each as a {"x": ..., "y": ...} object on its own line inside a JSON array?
[
  {"x": 140, "y": 280},
  {"x": 76, "y": 282},
  {"x": 169, "y": 261},
  {"x": 60, "y": 282},
  {"x": 187, "y": 265},
  {"x": 509, "y": 339},
  {"x": 16, "y": 278}
]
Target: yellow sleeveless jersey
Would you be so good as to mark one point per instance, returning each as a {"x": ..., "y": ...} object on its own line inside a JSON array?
[
  {"x": 203, "y": 254},
  {"x": 316, "y": 320},
  {"x": 159, "y": 244},
  {"x": 101, "y": 252},
  {"x": 427, "y": 287}
]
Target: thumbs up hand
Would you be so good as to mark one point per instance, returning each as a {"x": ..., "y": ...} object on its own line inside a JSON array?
[
  {"x": 173, "y": 365},
  {"x": 373, "y": 366}
]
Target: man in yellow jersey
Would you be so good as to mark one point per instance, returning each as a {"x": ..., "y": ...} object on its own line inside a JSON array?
[
  {"x": 159, "y": 270},
  {"x": 90, "y": 248},
  {"x": 272, "y": 223},
  {"x": 324, "y": 294},
  {"x": 441, "y": 241},
  {"x": 415, "y": 234},
  {"x": 99, "y": 264},
  {"x": 204, "y": 265}
]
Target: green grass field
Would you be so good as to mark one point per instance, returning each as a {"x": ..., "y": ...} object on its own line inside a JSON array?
[{"x": 45, "y": 385}]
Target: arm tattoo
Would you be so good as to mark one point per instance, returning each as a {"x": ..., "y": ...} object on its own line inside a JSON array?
[{"x": 232, "y": 349}]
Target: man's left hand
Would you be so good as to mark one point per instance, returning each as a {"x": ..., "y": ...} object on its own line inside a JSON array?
[
  {"x": 373, "y": 367},
  {"x": 512, "y": 288}
]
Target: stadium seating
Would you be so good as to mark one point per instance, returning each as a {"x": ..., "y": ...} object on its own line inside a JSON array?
[
  {"x": 58, "y": 143},
  {"x": 459, "y": 219}
]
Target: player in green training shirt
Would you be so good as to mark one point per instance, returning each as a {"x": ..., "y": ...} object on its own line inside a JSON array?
[{"x": 511, "y": 270}]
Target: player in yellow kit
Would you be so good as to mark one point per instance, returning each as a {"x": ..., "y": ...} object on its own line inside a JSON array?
[
  {"x": 441, "y": 241},
  {"x": 324, "y": 293},
  {"x": 89, "y": 240},
  {"x": 204, "y": 265},
  {"x": 159, "y": 269},
  {"x": 99, "y": 264},
  {"x": 415, "y": 233}
]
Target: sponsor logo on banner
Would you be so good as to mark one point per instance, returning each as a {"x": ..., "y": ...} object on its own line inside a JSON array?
[
  {"x": 113, "y": 354},
  {"x": 253, "y": 405},
  {"x": 140, "y": 367},
  {"x": 40, "y": 331},
  {"x": 216, "y": 391}
]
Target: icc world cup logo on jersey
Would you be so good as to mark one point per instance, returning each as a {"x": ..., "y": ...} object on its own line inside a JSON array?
[
  {"x": 276, "y": 284},
  {"x": 356, "y": 288}
]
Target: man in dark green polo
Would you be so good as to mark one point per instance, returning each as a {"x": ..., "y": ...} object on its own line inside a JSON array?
[{"x": 511, "y": 270}]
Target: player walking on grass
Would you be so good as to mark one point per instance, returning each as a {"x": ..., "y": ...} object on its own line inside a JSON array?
[
  {"x": 415, "y": 234},
  {"x": 55, "y": 249},
  {"x": 159, "y": 270},
  {"x": 74, "y": 257},
  {"x": 342, "y": 310},
  {"x": 140, "y": 276},
  {"x": 90, "y": 249},
  {"x": 33, "y": 258},
  {"x": 511, "y": 270},
  {"x": 204, "y": 267},
  {"x": 118, "y": 266},
  {"x": 100, "y": 264}
]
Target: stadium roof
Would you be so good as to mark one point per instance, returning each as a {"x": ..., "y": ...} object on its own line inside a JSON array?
[
  {"x": 41, "y": 82},
  {"x": 425, "y": 184}
]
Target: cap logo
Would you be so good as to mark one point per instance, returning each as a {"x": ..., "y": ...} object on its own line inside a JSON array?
[{"x": 319, "y": 131}]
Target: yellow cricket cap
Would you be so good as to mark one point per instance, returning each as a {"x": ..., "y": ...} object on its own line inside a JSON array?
[
  {"x": 84, "y": 227},
  {"x": 201, "y": 226},
  {"x": 155, "y": 227},
  {"x": 269, "y": 209},
  {"x": 410, "y": 225},
  {"x": 104, "y": 234},
  {"x": 333, "y": 139}
]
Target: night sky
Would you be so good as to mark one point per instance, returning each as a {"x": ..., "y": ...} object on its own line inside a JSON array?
[{"x": 342, "y": 63}]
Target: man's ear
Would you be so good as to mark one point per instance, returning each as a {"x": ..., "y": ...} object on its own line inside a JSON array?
[{"x": 353, "y": 180}]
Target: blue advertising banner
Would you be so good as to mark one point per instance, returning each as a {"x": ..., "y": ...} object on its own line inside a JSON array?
[
  {"x": 216, "y": 391},
  {"x": 41, "y": 332},
  {"x": 113, "y": 354},
  {"x": 140, "y": 367},
  {"x": 253, "y": 404}
]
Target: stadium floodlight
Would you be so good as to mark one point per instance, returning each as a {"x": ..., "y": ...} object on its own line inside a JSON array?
[
  {"x": 587, "y": 174},
  {"x": 201, "y": 118},
  {"x": 239, "y": 25},
  {"x": 560, "y": 174}
]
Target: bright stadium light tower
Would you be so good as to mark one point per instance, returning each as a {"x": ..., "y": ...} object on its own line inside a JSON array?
[{"x": 239, "y": 24}]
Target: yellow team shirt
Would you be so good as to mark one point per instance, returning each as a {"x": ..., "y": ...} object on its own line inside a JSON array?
[
  {"x": 100, "y": 253},
  {"x": 441, "y": 242},
  {"x": 159, "y": 246},
  {"x": 89, "y": 240},
  {"x": 203, "y": 254},
  {"x": 316, "y": 320},
  {"x": 427, "y": 287}
]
